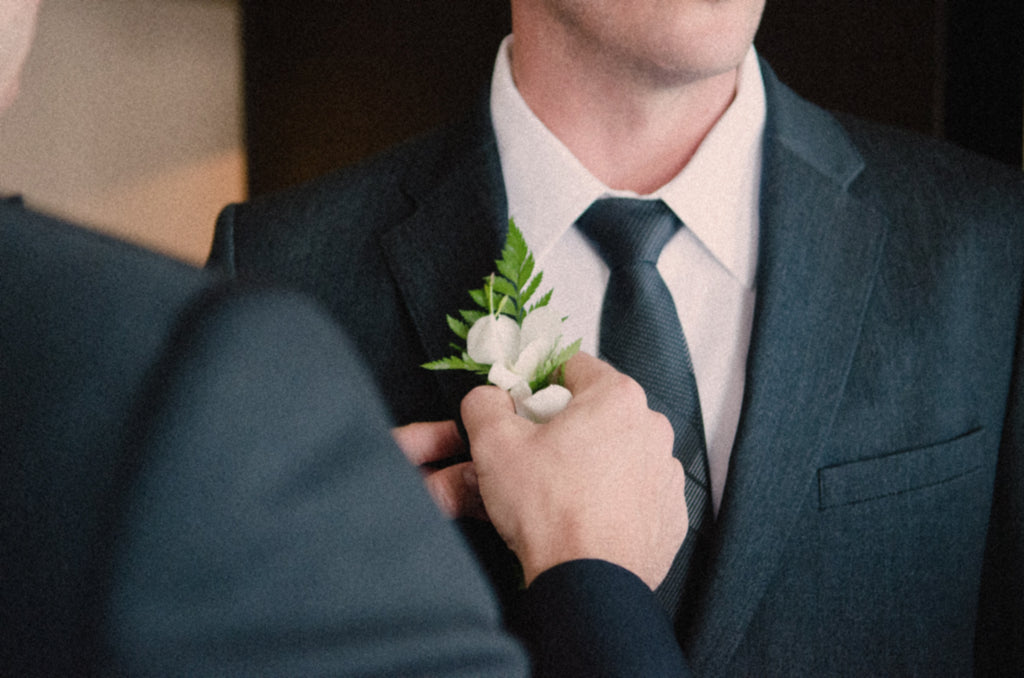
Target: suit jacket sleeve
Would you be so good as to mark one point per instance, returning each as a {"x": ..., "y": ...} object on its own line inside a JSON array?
[
  {"x": 593, "y": 618},
  {"x": 272, "y": 527}
]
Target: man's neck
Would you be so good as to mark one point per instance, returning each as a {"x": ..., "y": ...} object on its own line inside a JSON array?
[{"x": 633, "y": 133}]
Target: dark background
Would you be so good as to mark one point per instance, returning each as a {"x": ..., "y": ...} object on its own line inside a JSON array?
[{"x": 328, "y": 83}]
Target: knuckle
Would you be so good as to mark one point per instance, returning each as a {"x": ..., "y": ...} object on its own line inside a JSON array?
[
  {"x": 661, "y": 429},
  {"x": 673, "y": 475},
  {"x": 678, "y": 472},
  {"x": 629, "y": 389}
]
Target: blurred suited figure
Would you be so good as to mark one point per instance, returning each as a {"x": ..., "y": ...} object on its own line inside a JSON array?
[
  {"x": 194, "y": 482},
  {"x": 191, "y": 474}
]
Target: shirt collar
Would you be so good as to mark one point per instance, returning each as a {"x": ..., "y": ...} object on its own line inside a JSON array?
[{"x": 715, "y": 195}]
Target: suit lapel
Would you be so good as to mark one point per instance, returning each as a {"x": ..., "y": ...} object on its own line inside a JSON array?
[
  {"x": 446, "y": 246},
  {"x": 819, "y": 255},
  {"x": 452, "y": 237}
]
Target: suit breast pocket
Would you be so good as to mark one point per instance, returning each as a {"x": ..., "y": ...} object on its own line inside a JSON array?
[{"x": 900, "y": 472}]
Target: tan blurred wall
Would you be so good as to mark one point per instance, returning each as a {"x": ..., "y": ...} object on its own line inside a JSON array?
[{"x": 130, "y": 119}]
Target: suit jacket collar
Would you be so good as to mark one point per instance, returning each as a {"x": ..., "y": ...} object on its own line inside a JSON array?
[
  {"x": 454, "y": 233},
  {"x": 820, "y": 249}
]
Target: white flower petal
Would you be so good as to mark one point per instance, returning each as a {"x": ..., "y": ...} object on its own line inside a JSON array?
[
  {"x": 520, "y": 393},
  {"x": 530, "y": 359},
  {"x": 493, "y": 339},
  {"x": 544, "y": 404},
  {"x": 543, "y": 324},
  {"x": 506, "y": 379}
]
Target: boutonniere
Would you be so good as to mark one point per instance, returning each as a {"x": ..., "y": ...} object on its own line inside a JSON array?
[{"x": 517, "y": 345}]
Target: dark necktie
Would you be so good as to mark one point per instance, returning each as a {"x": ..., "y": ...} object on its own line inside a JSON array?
[{"x": 642, "y": 337}]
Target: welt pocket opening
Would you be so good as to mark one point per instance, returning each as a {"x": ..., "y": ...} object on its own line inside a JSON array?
[{"x": 899, "y": 472}]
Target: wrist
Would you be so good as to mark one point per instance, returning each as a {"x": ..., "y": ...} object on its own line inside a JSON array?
[{"x": 561, "y": 548}]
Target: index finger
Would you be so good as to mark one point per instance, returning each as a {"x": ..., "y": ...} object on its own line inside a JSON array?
[
  {"x": 429, "y": 442},
  {"x": 584, "y": 370}
]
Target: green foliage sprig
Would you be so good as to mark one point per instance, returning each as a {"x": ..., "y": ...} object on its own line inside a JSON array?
[{"x": 507, "y": 292}]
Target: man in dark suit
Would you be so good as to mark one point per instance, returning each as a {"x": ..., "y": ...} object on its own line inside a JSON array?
[{"x": 851, "y": 298}]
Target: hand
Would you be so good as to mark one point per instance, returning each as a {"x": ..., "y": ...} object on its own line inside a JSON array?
[
  {"x": 453, "y": 488},
  {"x": 597, "y": 481}
]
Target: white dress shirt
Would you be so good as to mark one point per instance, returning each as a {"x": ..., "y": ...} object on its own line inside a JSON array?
[{"x": 709, "y": 266}]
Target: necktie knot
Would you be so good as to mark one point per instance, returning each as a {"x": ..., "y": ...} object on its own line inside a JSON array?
[{"x": 627, "y": 231}]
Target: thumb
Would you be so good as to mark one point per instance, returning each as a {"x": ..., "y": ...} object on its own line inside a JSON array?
[{"x": 485, "y": 405}]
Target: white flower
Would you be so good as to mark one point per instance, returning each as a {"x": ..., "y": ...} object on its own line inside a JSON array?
[
  {"x": 516, "y": 355},
  {"x": 544, "y": 404}
]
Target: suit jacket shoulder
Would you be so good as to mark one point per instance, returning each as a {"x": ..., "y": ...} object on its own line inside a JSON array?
[
  {"x": 389, "y": 246},
  {"x": 386, "y": 187}
]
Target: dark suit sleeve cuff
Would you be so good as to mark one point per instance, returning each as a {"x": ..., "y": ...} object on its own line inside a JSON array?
[{"x": 593, "y": 618}]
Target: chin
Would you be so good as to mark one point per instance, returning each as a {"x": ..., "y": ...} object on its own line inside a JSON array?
[{"x": 675, "y": 69}]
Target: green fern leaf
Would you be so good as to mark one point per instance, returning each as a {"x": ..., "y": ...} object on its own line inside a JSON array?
[
  {"x": 507, "y": 270},
  {"x": 480, "y": 297},
  {"x": 526, "y": 270},
  {"x": 449, "y": 363},
  {"x": 542, "y": 302},
  {"x": 527, "y": 294},
  {"x": 460, "y": 328},
  {"x": 506, "y": 288},
  {"x": 472, "y": 316}
]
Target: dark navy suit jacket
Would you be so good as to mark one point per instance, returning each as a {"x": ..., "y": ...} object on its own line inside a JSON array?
[{"x": 873, "y": 517}]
